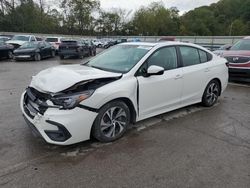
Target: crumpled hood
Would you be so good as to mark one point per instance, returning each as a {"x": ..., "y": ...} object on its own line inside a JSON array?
[
  {"x": 62, "y": 77},
  {"x": 19, "y": 42}
]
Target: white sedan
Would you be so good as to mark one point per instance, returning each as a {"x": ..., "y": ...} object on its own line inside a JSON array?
[{"x": 125, "y": 84}]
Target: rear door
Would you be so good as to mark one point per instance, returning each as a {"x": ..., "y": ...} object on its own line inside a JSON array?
[
  {"x": 160, "y": 93},
  {"x": 195, "y": 73}
]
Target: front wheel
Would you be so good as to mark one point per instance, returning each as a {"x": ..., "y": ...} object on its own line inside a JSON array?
[
  {"x": 112, "y": 121},
  {"x": 53, "y": 53},
  {"x": 211, "y": 93},
  {"x": 10, "y": 55},
  {"x": 37, "y": 57}
]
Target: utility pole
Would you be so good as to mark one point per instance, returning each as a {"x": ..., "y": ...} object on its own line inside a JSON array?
[{"x": 231, "y": 29}]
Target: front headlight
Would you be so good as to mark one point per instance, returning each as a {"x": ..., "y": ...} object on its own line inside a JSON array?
[{"x": 72, "y": 100}]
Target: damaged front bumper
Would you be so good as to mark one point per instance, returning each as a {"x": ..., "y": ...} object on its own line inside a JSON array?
[{"x": 58, "y": 126}]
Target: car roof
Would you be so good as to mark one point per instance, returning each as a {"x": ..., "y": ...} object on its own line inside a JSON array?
[
  {"x": 162, "y": 43},
  {"x": 248, "y": 37}
]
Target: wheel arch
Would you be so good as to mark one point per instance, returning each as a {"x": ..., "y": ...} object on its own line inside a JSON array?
[{"x": 130, "y": 105}]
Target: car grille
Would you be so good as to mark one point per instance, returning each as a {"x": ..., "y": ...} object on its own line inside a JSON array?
[
  {"x": 236, "y": 59},
  {"x": 35, "y": 102}
]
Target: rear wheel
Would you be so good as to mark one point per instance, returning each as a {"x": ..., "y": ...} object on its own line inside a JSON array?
[
  {"x": 111, "y": 122},
  {"x": 37, "y": 57},
  {"x": 211, "y": 93}
]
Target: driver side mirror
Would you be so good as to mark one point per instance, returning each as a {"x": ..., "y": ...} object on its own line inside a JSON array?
[{"x": 154, "y": 70}]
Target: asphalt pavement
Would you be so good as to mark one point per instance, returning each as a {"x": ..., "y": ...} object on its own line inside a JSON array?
[{"x": 190, "y": 147}]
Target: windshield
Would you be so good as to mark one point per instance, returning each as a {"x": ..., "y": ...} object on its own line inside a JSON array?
[
  {"x": 22, "y": 38},
  {"x": 29, "y": 45},
  {"x": 241, "y": 45},
  {"x": 119, "y": 58}
]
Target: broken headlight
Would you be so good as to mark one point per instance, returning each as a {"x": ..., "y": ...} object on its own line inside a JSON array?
[{"x": 71, "y": 100}]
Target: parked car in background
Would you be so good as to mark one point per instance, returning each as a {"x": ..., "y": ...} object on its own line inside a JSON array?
[
  {"x": 123, "y": 85},
  {"x": 73, "y": 47},
  {"x": 119, "y": 41},
  {"x": 54, "y": 41},
  {"x": 34, "y": 51},
  {"x": 167, "y": 38},
  {"x": 19, "y": 40},
  {"x": 238, "y": 57},
  {"x": 91, "y": 46},
  {"x": 6, "y": 50},
  {"x": 98, "y": 43},
  {"x": 4, "y": 39}
]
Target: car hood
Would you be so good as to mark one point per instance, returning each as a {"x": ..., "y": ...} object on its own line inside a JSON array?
[
  {"x": 60, "y": 78},
  {"x": 19, "y": 42},
  {"x": 235, "y": 53}
]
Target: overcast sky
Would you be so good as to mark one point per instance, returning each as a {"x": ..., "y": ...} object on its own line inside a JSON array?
[{"x": 182, "y": 5}]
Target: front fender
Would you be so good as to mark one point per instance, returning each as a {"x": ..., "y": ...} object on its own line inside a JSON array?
[{"x": 123, "y": 88}]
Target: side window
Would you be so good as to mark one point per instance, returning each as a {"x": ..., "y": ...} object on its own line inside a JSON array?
[
  {"x": 190, "y": 56},
  {"x": 203, "y": 56},
  {"x": 165, "y": 57},
  {"x": 33, "y": 38}
]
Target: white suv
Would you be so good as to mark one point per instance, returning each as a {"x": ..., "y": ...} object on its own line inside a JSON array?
[
  {"x": 127, "y": 83},
  {"x": 54, "y": 41}
]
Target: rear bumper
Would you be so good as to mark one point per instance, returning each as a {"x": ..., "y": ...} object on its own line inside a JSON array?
[
  {"x": 60, "y": 127},
  {"x": 68, "y": 52},
  {"x": 239, "y": 74}
]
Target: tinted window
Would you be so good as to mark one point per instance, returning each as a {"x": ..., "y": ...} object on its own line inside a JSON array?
[
  {"x": 52, "y": 39},
  {"x": 190, "y": 56},
  {"x": 165, "y": 57},
  {"x": 203, "y": 56}
]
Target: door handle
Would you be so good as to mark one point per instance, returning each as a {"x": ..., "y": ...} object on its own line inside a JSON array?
[
  {"x": 207, "y": 70},
  {"x": 178, "y": 76}
]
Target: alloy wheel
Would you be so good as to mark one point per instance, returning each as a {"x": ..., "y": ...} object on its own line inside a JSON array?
[
  {"x": 212, "y": 93},
  {"x": 113, "y": 122}
]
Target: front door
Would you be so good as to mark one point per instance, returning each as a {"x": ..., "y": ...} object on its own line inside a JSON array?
[{"x": 160, "y": 93}]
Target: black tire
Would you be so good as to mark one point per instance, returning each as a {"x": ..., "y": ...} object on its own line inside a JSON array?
[
  {"x": 53, "y": 53},
  {"x": 61, "y": 56},
  {"x": 81, "y": 56},
  {"x": 211, "y": 93},
  {"x": 99, "y": 45},
  {"x": 10, "y": 55},
  {"x": 103, "y": 125},
  {"x": 37, "y": 57}
]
